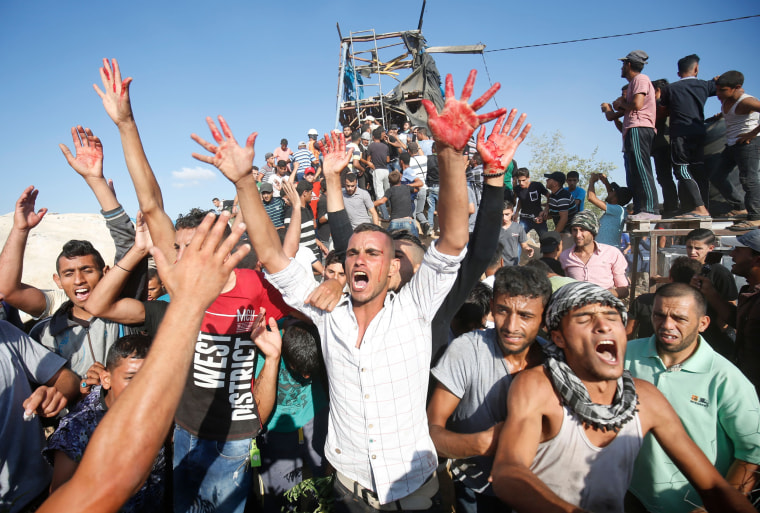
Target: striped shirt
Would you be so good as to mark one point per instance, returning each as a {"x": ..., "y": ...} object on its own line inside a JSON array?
[
  {"x": 308, "y": 230},
  {"x": 304, "y": 158},
  {"x": 275, "y": 210},
  {"x": 562, "y": 201}
]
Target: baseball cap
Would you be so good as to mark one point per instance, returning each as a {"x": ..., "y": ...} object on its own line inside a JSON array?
[
  {"x": 266, "y": 187},
  {"x": 550, "y": 242},
  {"x": 301, "y": 143},
  {"x": 557, "y": 176},
  {"x": 309, "y": 171},
  {"x": 366, "y": 136},
  {"x": 270, "y": 154},
  {"x": 751, "y": 240},
  {"x": 639, "y": 56},
  {"x": 624, "y": 195}
]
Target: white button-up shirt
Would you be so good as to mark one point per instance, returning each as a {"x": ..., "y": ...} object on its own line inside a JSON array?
[{"x": 378, "y": 431}]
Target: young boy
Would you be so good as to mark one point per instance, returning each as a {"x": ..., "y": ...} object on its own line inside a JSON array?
[
  {"x": 578, "y": 194},
  {"x": 742, "y": 113},
  {"x": 512, "y": 237},
  {"x": 155, "y": 286},
  {"x": 529, "y": 208},
  {"x": 334, "y": 268},
  {"x": 400, "y": 197},
  {"x": 67, "y": 445},
  {"x": 612, "y": 221}
]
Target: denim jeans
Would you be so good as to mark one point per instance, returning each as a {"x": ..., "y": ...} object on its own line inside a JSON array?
[
  {"x": 419, "y": 205},
  {"x": 747, "y": 158},
  {"x": 404, "y": 224},
  {"x": 529, "y": 224},
  {"x": 469, "y": 501},
  {"x": 210, "y": 475},
  {"x": 432, "y": 201},
  {"x": 380, "y": 183}
]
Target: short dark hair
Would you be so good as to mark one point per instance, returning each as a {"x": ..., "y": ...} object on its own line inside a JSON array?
[
  {"x": 523, "y": 171},
  {"x": 686, "y": 63},
  {"x": 541, "y": 266},
  {"x": 423, "y": 130},
  {"x": 251, "y": 259},
  {"x": 413, "y": 147},
  {"x": 475, "y": 307},
  {"x": 407, "y": 236},
  {"x": 731, "y": 78},
  {"x": 394, "y": 177},
  {"x": 355, "y": 136},
  {"x": 636, "y": 66},
  {"x": 333, "y": 258},
  {"x": 350, "y": 177},
  {"x": 477, "y": 158},
  {"x": 304, "y": 186},
  {"x": 573, "y": 174},
  {"x": 702, "y": 235},
  {"x": 215, "y": 199},
  {"x": 405, "y": 157},
  {"x": 683, "y": 269},
  {"x": 194, "y": 218},
  {"x": 660, "y": 83},
  {"x": 255, "y": 168},
  {"x": 377, "y": 133},
  {"x": 283, "y": 141},
  {"x": 153, "y": 273},
  {"x": 135, "y": 346},
  {"x": 508, "y": 205},
  {"x": 497, "y": 256},
  {"x": 522, "y": 281},
  {"x": 281, "y": 163},
  {"x": 369, "y": 227},
  {"x": 300, "y": 349},
  {"x": 684, "y": 290},
  {"x": 80, "y": 248}
]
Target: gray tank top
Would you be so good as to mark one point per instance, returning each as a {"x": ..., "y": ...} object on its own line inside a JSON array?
[{"x": 593, "y": 478}]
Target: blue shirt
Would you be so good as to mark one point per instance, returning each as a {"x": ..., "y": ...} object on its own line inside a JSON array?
[{"x": 611, "y": 225}]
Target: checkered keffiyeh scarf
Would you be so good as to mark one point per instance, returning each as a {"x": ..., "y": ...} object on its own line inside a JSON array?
[
  {"x": 573, "y": 393},
  {"x": 569, "y": 387}
]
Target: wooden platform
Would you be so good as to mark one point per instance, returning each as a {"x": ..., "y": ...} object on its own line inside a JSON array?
[{"x": 667, "y": 228}]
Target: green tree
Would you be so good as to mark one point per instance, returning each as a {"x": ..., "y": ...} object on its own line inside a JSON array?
[{"x": 549, "y": 155}]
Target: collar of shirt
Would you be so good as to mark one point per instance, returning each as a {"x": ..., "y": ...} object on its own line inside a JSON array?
[{"x": 700, "y": 362}]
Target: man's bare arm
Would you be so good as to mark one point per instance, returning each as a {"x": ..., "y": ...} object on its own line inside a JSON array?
[
  {"x": 591, "y": 193},
  {"x": 270, "y": 345},
  {"x": 142, "y": 416},
  {"x": 117, "y": 105},
  {"x": 25, "y": 297},
  {"x": 456, "y": 445},
  {"x": 59, "y": 391}
]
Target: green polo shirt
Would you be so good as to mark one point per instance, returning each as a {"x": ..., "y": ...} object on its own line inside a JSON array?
[{"x": 719, "y": 409}]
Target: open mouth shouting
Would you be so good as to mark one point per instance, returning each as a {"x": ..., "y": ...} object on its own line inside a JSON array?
[
  {"x": 360, "y": 281},
  {"x": 607, "y": 351},
  {"x": 82, "y": 294}
]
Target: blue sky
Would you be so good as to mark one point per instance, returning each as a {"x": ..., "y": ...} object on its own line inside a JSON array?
[{"x": 273, "y": 69}]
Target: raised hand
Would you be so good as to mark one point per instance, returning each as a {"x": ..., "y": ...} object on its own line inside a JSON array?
[
  {"x": 336, "y": 157},
  {"x": 268, "y": 342},
  {"x": 198, "y": 277},
  {"x": 456, "y": 123},
  {"x": 88, "y": 157},
  {"x": 143, "y": 242},
  {"x": 91, "y": 378},
  {"x": 116, "y": 95},
  {"x": 24, "y": 217},
  {"x": 291, "y": 194},
  {"x": 235, "y": 162},
  {"x": 497, "y": 152}
]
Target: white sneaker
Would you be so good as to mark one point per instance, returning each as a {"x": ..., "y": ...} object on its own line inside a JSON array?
[{"x": 644, "y": 216}]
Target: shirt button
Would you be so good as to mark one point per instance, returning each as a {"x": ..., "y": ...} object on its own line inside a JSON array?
[
  {"x": 370, "y": 426},
  {"x": 366, "y": 396},
  {"x": 337, "y": 451},
  {"x": 364, "y": 369},
  {"x": 374, "y": 457}
]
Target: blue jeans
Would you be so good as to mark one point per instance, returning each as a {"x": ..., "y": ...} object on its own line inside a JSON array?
[
  {"x": 747, "y": 158},
  {"x": 530, "y": 224},
  {"x": 432, "y": 201},
  {"x": 469, "y": 501},
  {"x": 404, "y": 224},
  {"x": 210, "y": 475}
]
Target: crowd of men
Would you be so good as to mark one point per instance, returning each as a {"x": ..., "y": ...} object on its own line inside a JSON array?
[{"x": 291, "y": 335}]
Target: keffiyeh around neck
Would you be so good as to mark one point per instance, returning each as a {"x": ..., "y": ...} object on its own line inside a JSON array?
[{"x": 574, "y": 394}]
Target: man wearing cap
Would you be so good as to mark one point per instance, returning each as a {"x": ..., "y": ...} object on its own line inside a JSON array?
[
  {"x": 591, "y": 261},
  {"x": 576, "y": 424},
  {"x": 267, "y": 169},
  {"x": 302, "y": 159},
  {"x": 716, "y": 404},
  {"x": 745, "y": 316},
  {"x": 639, "y": 105},
  {"x": 274, "y": 206},
  {"x": 612, "y": 221},
  {"x": 561, "y": 206}
]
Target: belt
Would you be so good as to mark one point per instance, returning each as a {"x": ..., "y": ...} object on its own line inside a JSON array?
[{"x": 420, "y": 499}]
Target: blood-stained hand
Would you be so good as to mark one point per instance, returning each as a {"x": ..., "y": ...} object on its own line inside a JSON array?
[
  {"x": 234, "y": 161},
  {"x": 336, "y": 157},
  {"x": 88, "y": 153},
  {"x": 116, "y": 95},
  {"x": 24, "y": 217},
  {"x": 497, "y": 152},
  {"x": 456, "y": 123}
]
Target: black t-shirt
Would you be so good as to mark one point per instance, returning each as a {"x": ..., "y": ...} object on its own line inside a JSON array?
[
  {"x": 723, "y": 282},
  {"x": 641, "y": 312},
  {"x": 323, "y": 229},
  {"x": 400, "y": 198},
  {"x": 530, "y": 199},
  {"x": 432, "y": 179},
  {"x": 686, "y": 102},
  {"x": 378, "y": 154},
  {"x": 554, "y": 265}
]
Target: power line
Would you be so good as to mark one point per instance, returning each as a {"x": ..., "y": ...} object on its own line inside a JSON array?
[{"x": 623, "y": 35}]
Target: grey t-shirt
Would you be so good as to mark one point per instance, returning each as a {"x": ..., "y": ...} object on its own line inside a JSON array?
[
  {"x": 474, "y": 370},
  {"x": 511, "y": 238},
  {"x": 24, "y": 473},
  {"x": 357, "y": 206}
]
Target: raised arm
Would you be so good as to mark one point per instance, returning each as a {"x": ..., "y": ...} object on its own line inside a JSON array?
[
  {"x": 142, "y": 416},
  {"x": 25, "y": 297},
  {"x": 270, "y": 344},
  {"x": 117, "y": 104},
  {"x": 87, "y": 161},
  {"x": 452, "y": 128},
  {"x": 591, "y": 193},
  {"x": 235, "y": 162},
  {"x": 293, "y": 223}
]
